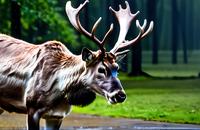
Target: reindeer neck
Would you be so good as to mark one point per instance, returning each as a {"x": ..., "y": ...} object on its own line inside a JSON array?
[
  {"x": 76, "y": 91},
  {"x": 71, "y": 72}
]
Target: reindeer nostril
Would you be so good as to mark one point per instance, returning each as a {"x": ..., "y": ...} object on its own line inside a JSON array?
[{"x": 120, "y": 96}]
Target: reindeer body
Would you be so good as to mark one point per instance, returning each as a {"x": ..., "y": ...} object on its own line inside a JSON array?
[{"x": 40, "y": 76}]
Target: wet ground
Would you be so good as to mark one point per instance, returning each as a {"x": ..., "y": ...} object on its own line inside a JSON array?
[{"x": 86, "y": 122}]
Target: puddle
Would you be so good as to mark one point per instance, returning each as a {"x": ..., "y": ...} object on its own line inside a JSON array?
[{"x": 87, "y": 122}]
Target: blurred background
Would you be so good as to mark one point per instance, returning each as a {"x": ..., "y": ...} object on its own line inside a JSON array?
[{"x": 173, "y": 44}]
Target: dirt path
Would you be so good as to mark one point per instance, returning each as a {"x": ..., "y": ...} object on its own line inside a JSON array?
[{"x": 85, "y": 122}]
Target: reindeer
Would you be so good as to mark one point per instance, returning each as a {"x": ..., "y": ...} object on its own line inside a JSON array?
[{"x": 44, "y": 81}]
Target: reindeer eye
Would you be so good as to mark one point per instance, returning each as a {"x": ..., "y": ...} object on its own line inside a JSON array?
[{"x": 102, "y": 70}]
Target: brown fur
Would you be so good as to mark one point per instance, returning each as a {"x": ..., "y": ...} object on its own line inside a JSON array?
[{"x": 20, "y": 61}]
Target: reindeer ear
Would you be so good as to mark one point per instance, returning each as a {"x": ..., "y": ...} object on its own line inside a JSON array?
[
  {"x": 121, "y": 55},
  {"x": 87, "y": 55}
]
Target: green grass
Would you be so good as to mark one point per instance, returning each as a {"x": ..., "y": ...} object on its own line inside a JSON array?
[{"x": 148, "y": 99}]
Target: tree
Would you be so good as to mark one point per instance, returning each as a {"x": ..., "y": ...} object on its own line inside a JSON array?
[
  {"x": 183, "y": 30},
  {"x": 151, "y": 16},
  {"x": 15, "y": 19},
  {"x": 190, "y": 23},
  {"x": 175, "y": 26},
  {"x": 136, "y": 50},
  {"x": 5, "y": 18},
  {"x": 108, "y": 21}
]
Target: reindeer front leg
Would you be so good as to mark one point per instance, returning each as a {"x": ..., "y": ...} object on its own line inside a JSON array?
[
  {"x": 53, "y": 123},
  {"x": 33, "y": 121},
  {"x": 34, "y": 116},
  {"x": 35, "y": 111}
]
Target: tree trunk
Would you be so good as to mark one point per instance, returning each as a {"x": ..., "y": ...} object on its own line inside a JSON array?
[
  {"x": 190, "y": 22},
  {"x": 183, "y": 30},
  {"x": 175, "y": 23},
  {"x": 108, "y": 17},
  {"x": 15, "y": 19},
  {"x": 136, "y": 58},
  {"x": 151, "y": 15}
]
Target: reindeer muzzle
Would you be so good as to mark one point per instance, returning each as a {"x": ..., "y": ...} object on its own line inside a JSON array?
[
  {"x": 116, "y": 97},
  {"x": 120, "y": 97}
]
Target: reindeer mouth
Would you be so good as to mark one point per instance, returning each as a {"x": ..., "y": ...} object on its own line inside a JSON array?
[{"x": 115, "y": 97}]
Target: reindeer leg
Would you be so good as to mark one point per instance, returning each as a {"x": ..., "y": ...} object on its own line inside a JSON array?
[
  {"x": 33, "y": 123},
  {"x": 53, "y": 123},
  {"x": 34, "y": 118}
]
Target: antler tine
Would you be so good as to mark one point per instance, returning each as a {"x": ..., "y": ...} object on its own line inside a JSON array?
[
  {"x": 142, "y": 34},
  {"x": 107, "y": 34},
  {"x": 95, "y": 26},
  {"x": 125, "y": 18},
  {"x": 126, "y": 43},
  {"x": 143, "y": 26},
  {"x": 149, "y": 30},
  {"x": 73, "y": 15}
]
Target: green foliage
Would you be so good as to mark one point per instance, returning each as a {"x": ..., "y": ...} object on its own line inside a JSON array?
[
  {"x": 162, "y": 100},
  {"x": 5, "y": 23},
  {"x": 46, "y": 14},
  {"x": 2, "y": 1},
  {"x": 41, "y": 21}
]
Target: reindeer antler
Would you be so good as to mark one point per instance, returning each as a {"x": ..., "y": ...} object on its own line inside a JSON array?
[
  {"x": 125, "y": 18},
  {"x": 73, "y": 15}
]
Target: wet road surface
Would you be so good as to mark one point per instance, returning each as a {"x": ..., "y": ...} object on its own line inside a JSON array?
[{"x": 85, "y": 122}]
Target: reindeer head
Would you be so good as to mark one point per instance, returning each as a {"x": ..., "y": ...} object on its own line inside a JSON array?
[{"x": 102, "y": 65}]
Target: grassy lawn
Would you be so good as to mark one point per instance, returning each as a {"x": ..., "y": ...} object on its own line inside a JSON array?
[{"x": 148, "y": 99}]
